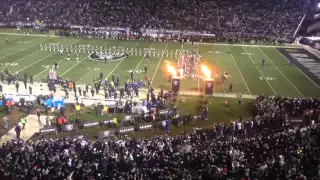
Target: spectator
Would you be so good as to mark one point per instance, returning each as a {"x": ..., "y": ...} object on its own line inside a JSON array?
[{"x": 18, "y": 130}]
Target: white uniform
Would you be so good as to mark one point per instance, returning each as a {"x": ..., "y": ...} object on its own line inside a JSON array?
[
  {"x": 61, "y": 51},
  {"x": 68, "y": 58},
  {"x": 77, "y": 58}
]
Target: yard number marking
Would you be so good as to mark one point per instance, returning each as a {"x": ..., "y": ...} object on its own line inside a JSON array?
[
  {"x": 9, "y": 64},
  {"x": 267, "y": 78},
  {"x": 243, "y": 53},
  {"x": 137, "y": 71}
]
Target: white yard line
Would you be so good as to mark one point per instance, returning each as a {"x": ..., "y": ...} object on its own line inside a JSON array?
[
  {"x": 46, "y": 69},
  {"x": 41, "y": 72},
  {"x": 139, "y": 62},
  {"x": 120, "y": 62},
  {"x": 21, "y": 58},
  {"x": 74, "y": 66},
  {"x": 299, "y": 69},
  {"x": 36, "y": 62},
  {"x": 97, "y": 63},
  {"x": 87, "y": 73},
  {"x": 259, "y": 70},
  {"x": 154, "y": 74},
  {"x": 26, "y": 56},
  {"x": 19, "y": 51},
  {"x": 234, "y": 60},
  {"x": 281, "y": 72},
  {"x": 11, "y": 40}
]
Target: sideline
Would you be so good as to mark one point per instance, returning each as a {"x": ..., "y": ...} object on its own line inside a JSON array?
[
  {"x": 219, "y": 44},
  {"x": 32, "y": 127}
]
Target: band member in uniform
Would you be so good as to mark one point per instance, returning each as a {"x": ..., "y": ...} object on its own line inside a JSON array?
[{"x": 77, "y": 58}]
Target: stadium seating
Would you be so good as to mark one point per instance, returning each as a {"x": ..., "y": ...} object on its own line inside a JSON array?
[
  {"x": 243, "y": 150},
  {"x": 259, "y": 148},
  {"x": 232, "y": 16},
  {"x": 286, "y": 154}
]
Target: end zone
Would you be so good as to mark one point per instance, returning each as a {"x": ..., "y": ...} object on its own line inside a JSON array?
[{"x": 307, "y": 62}]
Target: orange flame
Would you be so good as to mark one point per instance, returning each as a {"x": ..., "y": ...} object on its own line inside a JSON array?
[
  {"x": 172, "y": 70},
  {"x": 205, "y": 70}
]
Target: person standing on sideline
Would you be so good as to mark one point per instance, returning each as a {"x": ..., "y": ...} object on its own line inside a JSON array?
[
  {"x": 30, "y": 90},
  {"x": 5, "y": 122},
  {"x": 31, "y": 79},
  {"x": 48, "y": 121},
  {"x": 18, "y": 131},
  {"x": 230, "y": 88},
  {"x": 38, "y": 115},
  {"x": 17, "y": 86},
  {"x": 23, "y": 121}
]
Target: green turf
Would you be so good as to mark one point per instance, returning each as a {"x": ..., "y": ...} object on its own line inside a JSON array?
[
  {"x": 246, "y": 74},
  {"x": 218, "y": 113}
]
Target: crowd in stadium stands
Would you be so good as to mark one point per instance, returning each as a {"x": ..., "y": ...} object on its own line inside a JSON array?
[
  {"x": 243, "y": 150},
  {"x": 216, "y": 16},
  {"x": 239, "y": 151},
  {"x": 286, "y": 154},
  {"x": 280, "y": 108}
]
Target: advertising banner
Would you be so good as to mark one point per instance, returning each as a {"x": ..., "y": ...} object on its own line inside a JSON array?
[{"x": 48, "y": 130}]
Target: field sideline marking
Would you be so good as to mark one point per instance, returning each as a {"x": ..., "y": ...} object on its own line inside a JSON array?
[
  {"x": 281, "y": 72},
  {"x": 154, "y": 74},
  {"x": 299, "y": 69},
  {"x": 239, "y": 70},
  {"x": 93, "y": 66},
  {"x": 219, "y": 44},
  {"x": 58, "y": 61},
  {"x": 140, "y": 62},
  {"x": 120, "y": 62}
]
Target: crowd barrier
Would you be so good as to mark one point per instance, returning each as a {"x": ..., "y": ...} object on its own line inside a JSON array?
[{"x": 84, "y": 124}]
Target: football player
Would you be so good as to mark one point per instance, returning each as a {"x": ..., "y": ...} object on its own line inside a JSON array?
[{"x": 68, "y": 57}]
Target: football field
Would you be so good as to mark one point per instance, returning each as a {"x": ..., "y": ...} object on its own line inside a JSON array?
[{"x": 242, "y": 62}]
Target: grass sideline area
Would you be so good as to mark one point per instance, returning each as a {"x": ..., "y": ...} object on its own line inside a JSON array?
[{"x": 218, "y": 113}]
